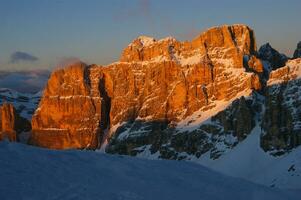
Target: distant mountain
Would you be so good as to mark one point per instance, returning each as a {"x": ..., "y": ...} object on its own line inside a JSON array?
[
  {"x": 24, "y": 103},
  {"x": 31, "y": 81}
]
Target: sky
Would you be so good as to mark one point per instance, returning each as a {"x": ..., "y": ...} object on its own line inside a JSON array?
[{"x": 41, "y": 34}]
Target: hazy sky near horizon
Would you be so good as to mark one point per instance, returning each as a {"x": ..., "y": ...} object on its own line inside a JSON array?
[{"x": 39, "y": 34}]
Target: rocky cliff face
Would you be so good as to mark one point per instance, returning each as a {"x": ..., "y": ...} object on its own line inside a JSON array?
[
  {"x": 215, "y": 136},
  {"x": 167, "y": 79},
  {"x": 11, "y": 123},
  {"x": 273, "y": 113},
  {"x": 282, "y": 117},
  {"x": 7, "y": 122},
  {"x": 156, "y": 80},
  {"x": 74, "y": 110}
]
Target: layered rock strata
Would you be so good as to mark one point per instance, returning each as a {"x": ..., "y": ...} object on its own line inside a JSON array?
[{"x": 155, "y": 80}]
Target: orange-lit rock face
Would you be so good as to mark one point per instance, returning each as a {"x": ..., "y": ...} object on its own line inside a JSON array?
[
  {"x": 164, "y": 79},
  {"x": 7, "y": 122},
  {"x": 289, "y": 72},
  {"x": 70, "y": 112},
  {"x": 168, "y": 79}
]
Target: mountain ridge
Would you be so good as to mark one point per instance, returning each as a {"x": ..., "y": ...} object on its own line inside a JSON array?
[
  {"x": 137, "y": 88},
  {"x": 194, "y": 101}
]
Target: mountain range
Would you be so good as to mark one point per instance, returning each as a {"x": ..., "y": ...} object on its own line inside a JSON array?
[{"x": 216, "y": 100}]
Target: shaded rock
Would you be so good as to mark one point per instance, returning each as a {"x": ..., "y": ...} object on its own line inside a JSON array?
[
  {"x": 268, "y": 53},
  {"x": 297, "y": 53},
  {"x": 282, "y": 118},
  {"x": 238, "y": 119},
  {"x": 161, "y": 139}
]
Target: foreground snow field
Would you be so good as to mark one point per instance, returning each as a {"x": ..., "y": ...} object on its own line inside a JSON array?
[
  {"x": 32, "y": 173},
  {"x": 248, "y": 161}
]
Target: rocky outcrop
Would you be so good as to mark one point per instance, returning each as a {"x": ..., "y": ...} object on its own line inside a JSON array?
[
  {"x": 273, "y": 57},
  {"x": 282, "y": 118},
  {"x": 297, "y": 53},
  {"x": 155, "y": 80},
  {"x": 288, "y": 73},
  {"x": 11, "y": 124},
  {"x": 7, "y": 120}
]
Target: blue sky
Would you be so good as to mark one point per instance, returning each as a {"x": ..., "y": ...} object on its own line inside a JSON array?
[{"x": 47, "y": 32}]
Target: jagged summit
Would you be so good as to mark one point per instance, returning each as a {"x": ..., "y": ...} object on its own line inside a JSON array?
[
  {"x": 214, "y": 45},
  {"x": 143, "y": 41},
  {"x": 266, "y": 46},
  {"x": 268, "y": 53}
]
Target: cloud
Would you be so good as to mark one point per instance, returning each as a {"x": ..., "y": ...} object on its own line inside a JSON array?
[
  {"x": 144, "y": 7},
  {"x": 136, "y": 10},
  {"x": 65, "y": 61},
  {"x": 141, "y": 8},
  {"x": 30, "y": 81},
  {"x": 190, "y": 33},
  {"x": 20, "y": 56}
]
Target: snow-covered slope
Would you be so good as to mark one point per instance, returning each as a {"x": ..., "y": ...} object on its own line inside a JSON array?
[
  {"x": 221, "y": 151},
  {"x": 33, "y": 173},
  {"x": 247, "y": 160}
]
